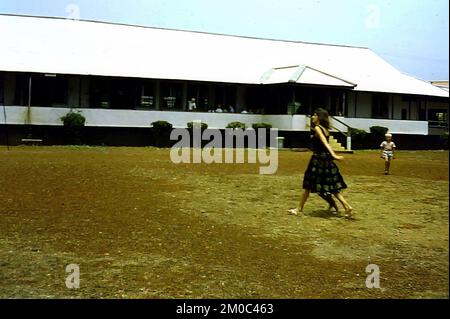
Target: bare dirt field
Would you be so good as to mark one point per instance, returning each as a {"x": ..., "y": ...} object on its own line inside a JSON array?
[{"x": 140, "y": 226}]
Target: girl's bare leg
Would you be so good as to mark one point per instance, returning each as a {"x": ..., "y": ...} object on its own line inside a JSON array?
[
  {"x": 329, "y": 199},
  {"x": 303, "y": 200},
  {"x": 347, "y": 207}
]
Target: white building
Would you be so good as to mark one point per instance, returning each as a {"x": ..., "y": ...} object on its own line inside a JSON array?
[{"x": 125, "y": 76}]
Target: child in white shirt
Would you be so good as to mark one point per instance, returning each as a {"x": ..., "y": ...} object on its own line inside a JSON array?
[{"x": 387, "y": 152}]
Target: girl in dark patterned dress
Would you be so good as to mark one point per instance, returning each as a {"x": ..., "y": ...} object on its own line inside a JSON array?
[{"x": 322, "y": 175}]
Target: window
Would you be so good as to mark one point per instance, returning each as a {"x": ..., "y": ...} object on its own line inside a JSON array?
[
  {"x": 438, "y": 117},
  {"x": 21, "y": 93},
  {"x": 319, "y": 99},
  {"x": 115, "y": 93},
  {"x": 226, "y": 95},
  {"x": 303, "y": 96},
  {"x": 199, "y": 92},
  {"x": 404, "y": 114},
  {"x": 49, "y": 90},
  {"x": 257, "y": 98},
  {"x": 336, "y": 103},
  {"x": 422, "y": 111},
  {"x": 2, "y": 89},
  {"x": 380, "y": 106},
  {"x": 99, "y": 92},
  {"x": 124, "y": 93},
  {"x": 286, "y": 98},
  {"x": 171, "y": 96},
  {"x": 147, "y": 95}
]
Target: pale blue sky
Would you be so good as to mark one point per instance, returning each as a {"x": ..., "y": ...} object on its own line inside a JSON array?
[{"x": 410, "y": 34}]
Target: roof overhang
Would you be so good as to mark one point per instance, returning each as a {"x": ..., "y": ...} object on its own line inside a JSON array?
[{"x": 303, "y": 74}]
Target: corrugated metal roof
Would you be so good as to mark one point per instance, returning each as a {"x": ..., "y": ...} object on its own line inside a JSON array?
[{"x": 49, "y": 45}]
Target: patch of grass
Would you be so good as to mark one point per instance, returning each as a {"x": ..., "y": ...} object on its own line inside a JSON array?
[{"x": 140, "y": 226}]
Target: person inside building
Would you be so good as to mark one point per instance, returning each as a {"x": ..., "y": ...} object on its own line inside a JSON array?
[
  {"x": 192, "y": 106},
  {"x": 219, "y": 109}
]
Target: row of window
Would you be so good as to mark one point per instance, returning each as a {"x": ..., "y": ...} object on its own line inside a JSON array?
[
  {"x": 115, "y": 93},
  {"x": 126, "y": 93},
  {"x": 380, "y": 109}
]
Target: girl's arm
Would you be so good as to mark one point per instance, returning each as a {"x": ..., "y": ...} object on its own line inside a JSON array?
[{"x": 327, "y": 145}]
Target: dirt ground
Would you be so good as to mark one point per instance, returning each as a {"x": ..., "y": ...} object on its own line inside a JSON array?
[{"x": 140, "y": 226}]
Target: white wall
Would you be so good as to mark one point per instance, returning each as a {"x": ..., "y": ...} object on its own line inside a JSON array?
[
  {"x": 281, "y": 122},
  {"x": 125, "y": 118},
  {"x": 132, "y": 118},
  {"x": 394, "y": 126}
]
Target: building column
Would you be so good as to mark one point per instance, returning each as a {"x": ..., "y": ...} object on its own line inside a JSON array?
[
  {"x": 212, "y": 97},
  {"x": 9, "y": 88},
  {"x": 158, "y": 95},
  {"x": 240, "y": 99},
  {"x": 344, "y": 103},
  {"x": 184, "y": 98},
  {"x": 328, "y": 106},
  {"x": 73, "y": 91},
  {"x": 409, "y": 110},
  {"x": 392, "y": 106},
  {"x": 85, "y": 82},
  {"x": 310, "y": 101}
]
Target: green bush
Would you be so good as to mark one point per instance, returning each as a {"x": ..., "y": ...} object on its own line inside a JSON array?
[
  {"x": 379, "y": 130},
  {"x": 262, "y": 125},
  {"x": 444, "y": 140},
  {"x": 73, "y": 119},
  {"x": 161, "y": 126},
  {"x": 354, "y": 132},
  {"x": 358, "y": 138},
  {"x": 161, "y": 133},
  {"x": 204, "y": 126},
  {"x": 73, "y": 128},
  {"x": 235, "y": 125},
  {"x": 377, "y": 134}
]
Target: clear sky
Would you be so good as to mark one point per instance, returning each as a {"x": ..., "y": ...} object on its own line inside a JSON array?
[{"x": 413, "y": 35}]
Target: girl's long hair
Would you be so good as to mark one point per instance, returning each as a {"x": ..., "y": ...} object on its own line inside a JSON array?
[{"x": 324, "y": 117}]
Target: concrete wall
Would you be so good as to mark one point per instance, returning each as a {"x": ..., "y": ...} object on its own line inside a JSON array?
[
  {"x": 125, "y": 118},
  {"x": 136, "y": 119},
  {"x": 394, "y": 126}
]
